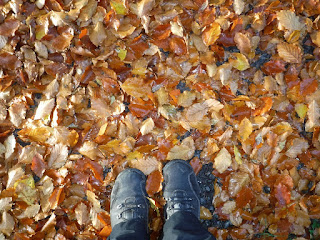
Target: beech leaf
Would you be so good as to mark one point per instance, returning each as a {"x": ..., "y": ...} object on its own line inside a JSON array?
[
  {"x": 184, "y": 151},
  {"x": 222, "y": 161},
  {"x": 211, "y": 34},
  {"x": 245, "y": 129},
  {"x": 289, "y": 52}
]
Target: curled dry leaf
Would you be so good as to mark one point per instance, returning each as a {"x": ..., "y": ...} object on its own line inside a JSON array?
[
  {"x": 184, "y": 151},
  {"x": 289, "y": 52},
  {"x": 222, "y": 161},
  {"x": 7, "y": 224}
]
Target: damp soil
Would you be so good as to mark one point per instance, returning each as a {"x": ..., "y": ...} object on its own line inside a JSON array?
[{"x": 206, "y": 182}]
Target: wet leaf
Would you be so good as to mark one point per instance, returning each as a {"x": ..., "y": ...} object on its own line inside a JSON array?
[
  {"x": 205, "y": 214},
  {"x": 211, "y": 34},
  {"x": 154, "y": 182}
]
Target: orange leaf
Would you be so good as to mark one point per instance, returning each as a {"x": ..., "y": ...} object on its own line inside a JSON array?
[
  {"x": 154, "y": 181},
  {"x": 282, "y": 194},
  {"x": 105, "y": 232},
  {"x": 211, "y": 34},
  {"x": 38, "y": 165}
]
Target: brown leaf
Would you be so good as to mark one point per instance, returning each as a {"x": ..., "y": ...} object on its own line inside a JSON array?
[
  {"x": 289, "y": 52},
  {"x": 58, "y": 156},
  {"x": 313, "y": 116},
  {"x": 243, "y": 43},
  {"x": 154, "y": 182},
  {"x": 9, "y": 61},
  {"x": 9, "y": 27},
  {"x": 38, "y": 165}
]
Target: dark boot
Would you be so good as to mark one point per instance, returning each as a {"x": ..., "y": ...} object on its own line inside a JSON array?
[
  {"x": 181, "y": 189},
  {"x": 129, "y": 198}
]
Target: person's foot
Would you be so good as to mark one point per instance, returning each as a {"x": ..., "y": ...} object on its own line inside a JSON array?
[
  {"x": 181, "y": 189},
  {"x": 129, "y": 197}
]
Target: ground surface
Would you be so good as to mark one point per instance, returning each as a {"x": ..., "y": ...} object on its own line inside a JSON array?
[{"x": 89, "y": 88}]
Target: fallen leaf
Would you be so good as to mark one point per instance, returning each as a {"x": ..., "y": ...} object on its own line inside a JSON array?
[
  {"x": 7, "y": 224},
  {"x": 211, "y": 34},
  {"x": 154, "y": 182},
  {"x": 58, "y": 156},
  {"x": 243, "y": 43},
  {"x": 82, "y": 214},
  {"x": 136, "y": 87},
  {"x": 289, "y": 20},
  {"x": 205, "y": 214},
  {"x": 241, "y": 62},
  {"x": 289, "y": 52},
  {"x": 184, "y": 151},
  {"x": 146, "y": 164},
  {"x": 238, "y": 6},
  {"x": 297, "y": 146},
  {"x": 147, "y": 126},
  {"x": 222, "y": 161},
  {"x": 245, "y": 129},
  {"x": 313, "y": 116}
]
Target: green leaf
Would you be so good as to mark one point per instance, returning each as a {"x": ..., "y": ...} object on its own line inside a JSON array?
[
  {"x": 122, "y": 53},
  {"x": 153, "y": 206},
  {"x": 119, "y": 7}
]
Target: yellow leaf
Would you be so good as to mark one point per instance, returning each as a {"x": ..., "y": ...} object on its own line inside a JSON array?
[
  {"x": 40, "y": 134},
  {"x": 134, "y": 155},
  {"x": 289, "y": 20},
  {"x": 237, "y": 155},
  {"x": 205, "y": 213},
  {"x": 122, "y": 53},
  {"x": 147, "y": 165},
  {"x": 241, "y": 62},
  {"x": 289, "y": 52},
  {"x": 211, "y": 34},
  {"x": 222, "y": 160},
  {"x": 315, "y": 37},
  {"x": 184, "y": 151},
  {"x": 301, "y": 110},
  {"x": 245, "y": 129}
]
